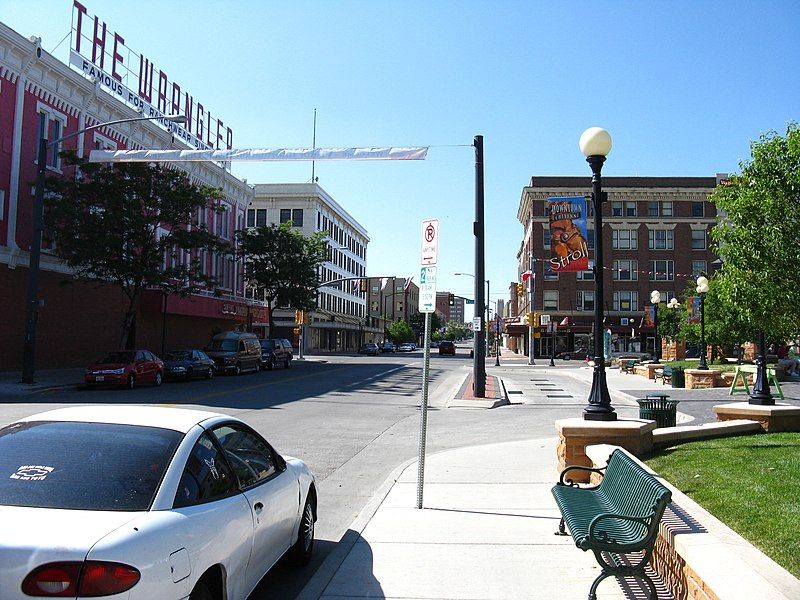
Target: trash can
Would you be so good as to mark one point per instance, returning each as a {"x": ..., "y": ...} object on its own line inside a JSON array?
[
  {"x": 658, "y": 408},
  {"x": 678, "y": 377}
]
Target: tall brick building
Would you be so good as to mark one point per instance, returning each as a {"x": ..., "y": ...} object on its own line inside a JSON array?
[{"x": 656, "y": 236}]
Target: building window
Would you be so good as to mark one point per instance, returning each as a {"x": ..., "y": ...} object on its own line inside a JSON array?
[
  {"x": 699, "y": 267},
  {"x": 623, "y": 239},
  {"x": 297, "y": 217},
  {"x": 256, "y": 217},
  {"x": 698, "y": 239},
  {"x": 585, "y": 300},
  {"x": 652, "y": 208},
  {"x": 625, "y": 270},
  {"x": 546, "y": 239},
  {"x": 666, "y": 209},
  {"x": 223, "y": 219},
  {"x": 587, "y": 275},
  {"x": 616, "y": 209},
  {"x": 51, "y": 127},
  {"x": 549, "y": 274},
  {"x": 661, "y": 239},
  {"x": 550, "y": 300},
  {"x": 590, "y": 238},
  {"x": 630, "y": 209},
  {"x": 626, "y": 301},
  {"x": 698, "y": 209},
  {"x": 662, "y": 270},
  {"x": 286, "y": 215}
]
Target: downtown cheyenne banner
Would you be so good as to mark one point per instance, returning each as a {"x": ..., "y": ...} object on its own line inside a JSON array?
[{"x": 568, "y": 248}]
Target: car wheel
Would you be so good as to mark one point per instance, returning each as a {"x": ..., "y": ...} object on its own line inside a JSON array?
[
  {"x": 258, "y": 366},
  {"x": 210, "y": 373},
  {"x": 189, "y": 374},
  {"x": 287, "y": 364},
  {"x": 567, "y": 357},
  {"x": 201, "y": 592},
  {"x": 271, "y": 363},
  {"x": 158, "y": 379},
  {"x": 237, "y": 369},
  {"x": 131, "y": 381},
  {"x": 300, "y": 553}
]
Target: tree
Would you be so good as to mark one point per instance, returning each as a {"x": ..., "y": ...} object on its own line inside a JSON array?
[
  {"x": 400, "y": 332},
  {"x": 417, "y": 323},
  {"x": 283, "y": 264},
  {"x": 758, "y": 235},
  {"x": 118, "y": 224}
]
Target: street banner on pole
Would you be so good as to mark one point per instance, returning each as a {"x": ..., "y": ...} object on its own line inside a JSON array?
[
  {"x": 568, "y": 248},
  {"x": 693, "y": 306}
]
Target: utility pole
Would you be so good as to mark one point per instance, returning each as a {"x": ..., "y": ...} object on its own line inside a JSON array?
[{"x": 479, "y": 358}]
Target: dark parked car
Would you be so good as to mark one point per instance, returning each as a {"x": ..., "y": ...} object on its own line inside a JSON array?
[
  {"x": 447, "y": 347},
  {"x": 388, "y": 347},
  {"x": 276, "y": 350},
  {"x": 185, "y": 364},
  {"x": 370, "y": 349},
  {"x": 573, "y": 355},
  {"x": 126, "y": 368}
]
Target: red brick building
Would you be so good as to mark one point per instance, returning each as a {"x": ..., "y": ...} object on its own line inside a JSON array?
[
  {"x": 656, "y": 236},
  {"x": 78, "y": 320}
]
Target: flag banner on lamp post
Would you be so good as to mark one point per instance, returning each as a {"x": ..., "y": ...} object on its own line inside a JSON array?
[
  {"x": 693, "y": 307},
  {"x": 256, "y": 154},
  {"x": 568, "y": 248},
  {"x": 649, "y": 316}
]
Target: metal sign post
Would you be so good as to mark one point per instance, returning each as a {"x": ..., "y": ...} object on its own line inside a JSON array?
[{"x": 427, "y": 304}]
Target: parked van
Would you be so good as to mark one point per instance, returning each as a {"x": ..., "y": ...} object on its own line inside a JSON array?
[{"x": 234, "y": 352}]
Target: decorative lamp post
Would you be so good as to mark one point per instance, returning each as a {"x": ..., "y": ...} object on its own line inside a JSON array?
[
  {"x": 595, "y": 143},
  {"x": 761, "y": 392},
  {"x": 702, "y": 289},
  {"x": 655, "y": 300},
  {"x": 32, "y": 301}
]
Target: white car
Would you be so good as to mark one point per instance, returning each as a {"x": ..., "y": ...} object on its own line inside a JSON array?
[{"x": 146, "y": 502}]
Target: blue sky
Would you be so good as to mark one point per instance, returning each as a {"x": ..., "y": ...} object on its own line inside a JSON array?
[{"x": 682, "y": 86}]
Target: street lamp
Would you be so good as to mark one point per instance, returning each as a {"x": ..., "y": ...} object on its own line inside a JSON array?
[
  {"x": 655, "y": 300},
  {"x": 595, "y": 143},
  {"x": 761, "y": 392},
  {"x": 32, "y": 302},
  {"x": 702, "y": 289}
]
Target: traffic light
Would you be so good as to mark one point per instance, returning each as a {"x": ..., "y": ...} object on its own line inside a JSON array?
[
  {"x": 364, "y": 285},
  {"x": 298, "y": 316},
  {"x": 451, "y": 299},
  {"x": 520, "y": 289},
  {"x": 532, "y": 319}
]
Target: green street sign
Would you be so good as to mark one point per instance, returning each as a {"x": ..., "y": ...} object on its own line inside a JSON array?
[{"x": 468, "y": 301}]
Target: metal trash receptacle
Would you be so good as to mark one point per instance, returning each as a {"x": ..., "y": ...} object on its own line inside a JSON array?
[
  {"x": 678, "y": 377},
  {"x": 658, "y": 408}
]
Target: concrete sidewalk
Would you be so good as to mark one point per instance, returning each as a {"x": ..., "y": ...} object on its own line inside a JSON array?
[{"x": 486, "y": 531}]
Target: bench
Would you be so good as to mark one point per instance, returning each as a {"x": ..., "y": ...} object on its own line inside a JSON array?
[
  {"x": 626, "y": 366},
  {"x": 665, "y": 375},
  {"x": 617, "y": 520},
  {"x": 741, "y": 375}
]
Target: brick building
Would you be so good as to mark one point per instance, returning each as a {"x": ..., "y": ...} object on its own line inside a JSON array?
[
  {"x": 656, "y": 236},
  {"x": 78, "y": 320}
]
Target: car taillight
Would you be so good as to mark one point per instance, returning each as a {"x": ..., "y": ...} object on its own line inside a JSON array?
[{"x": 87, "y": 579}]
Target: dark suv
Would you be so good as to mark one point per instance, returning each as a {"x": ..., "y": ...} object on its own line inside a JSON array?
[{"x": 274, "y": 351}]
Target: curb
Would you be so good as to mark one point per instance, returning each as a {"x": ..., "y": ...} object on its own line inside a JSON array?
[
  {"x": 481, "y": 404},
  {"x": 318, "y": 583}
]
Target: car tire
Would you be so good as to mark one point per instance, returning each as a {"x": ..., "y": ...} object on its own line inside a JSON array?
[
  {"x": 201, "y": 592},
  {"x": 131, "y": 383},
  {"x": 258, "y": 366},
  {"x": 158, "y": 379},
  {"x": 287, "y": 364},
  {"x": 189, "y": 374},
  {"x": 567, "y": 357},
  {"x": 271, "y": 363},
  {"x": 300, "y": 554},
  {"x": 237, "y": 370},
  {"x": 210, "y": 373}
]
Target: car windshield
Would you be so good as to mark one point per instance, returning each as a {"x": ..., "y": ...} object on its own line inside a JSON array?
[
  {"x": 85, "y": 466},
  {"x": 267, "y": 344},
  {"x": 224, "y": 346},
  {"x": 117, "y": 357},
  {"x": 179, "y": 355}
]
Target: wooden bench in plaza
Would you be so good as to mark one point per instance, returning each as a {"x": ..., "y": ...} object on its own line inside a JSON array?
[
  {"x": 665, "y": 375},
  {"x": 617, "y": 520},
  {"x": 626, "y": 366}
]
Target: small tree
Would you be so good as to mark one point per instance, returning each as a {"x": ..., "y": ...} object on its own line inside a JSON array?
[
  {"x": 283, "y": 264},
  {"x": 417, "y": 323},
  {"x": 758, "y": 236},
  {"x": 400, "y": 332},
  {"x": 120, "y": 224}
]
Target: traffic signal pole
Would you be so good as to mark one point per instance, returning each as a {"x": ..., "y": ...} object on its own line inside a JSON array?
[{"x": 479, "y": 358}]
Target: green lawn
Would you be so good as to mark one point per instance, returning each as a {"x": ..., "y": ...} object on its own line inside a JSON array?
[{"x": 751, "y": 483}]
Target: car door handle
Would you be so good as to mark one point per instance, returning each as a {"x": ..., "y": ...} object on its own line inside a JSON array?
[{"x": 258, "y": 507}]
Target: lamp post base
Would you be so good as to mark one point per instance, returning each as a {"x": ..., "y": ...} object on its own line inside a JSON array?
[{"x": 599, "y": 407}]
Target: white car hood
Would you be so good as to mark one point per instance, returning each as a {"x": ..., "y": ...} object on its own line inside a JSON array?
[{"x": 30, "y": 537}]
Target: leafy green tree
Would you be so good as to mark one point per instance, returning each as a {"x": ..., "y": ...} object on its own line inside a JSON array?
[
  {"x": 758, "y": 236},
  {"x": 283, "y": 264},
  {"x": 417, "y": 323},
  {"x": 400, "y": 332},
  {"x": 455, "y": 331},
  {"x": 118, "y": 224}
]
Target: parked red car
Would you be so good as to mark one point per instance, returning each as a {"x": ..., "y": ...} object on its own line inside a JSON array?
[{"x": 126, "y": 368}]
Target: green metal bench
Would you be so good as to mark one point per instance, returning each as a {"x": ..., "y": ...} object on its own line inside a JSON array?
[
  {"x": 617, "y": 519},
  {"x": 665, "y": 375},
  {"x": 626, "y": 366}
]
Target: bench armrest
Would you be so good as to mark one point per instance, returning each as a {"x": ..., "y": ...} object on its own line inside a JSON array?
[
  {"x": 600, "y": 540},
  {"x": 562, "y": 480}
]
